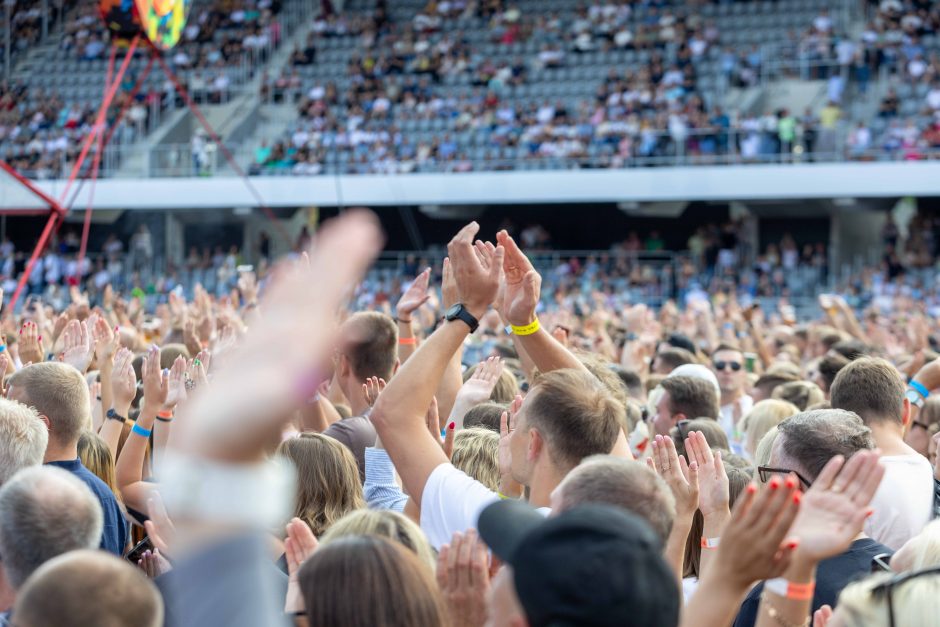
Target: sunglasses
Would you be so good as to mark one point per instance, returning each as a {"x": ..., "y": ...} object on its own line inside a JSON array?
[
  {"x": 682, "y": 427},
  {"x": 881, "y": 563},
  {"x": 886, "y": 588},
  {"x": 721, "y": 365},
  {"x": 766, "y": 472}
]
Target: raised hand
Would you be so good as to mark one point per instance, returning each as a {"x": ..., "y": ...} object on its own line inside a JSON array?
[
  {"x": 714, "y": 493},
  {"x": 106, "y": 340},
  {"x": 415, "y": 296},
  {"x": 176, "y": 383},
  {"x": 123, "y": 382},
  {"x": 522, "y": 284},
  {"x": 822, "y": 616},
  {"x": 449, "y": 295},
  {"x": 836, "y": 505},
  {"x": 31, "y": 348},
  {"x": 298, "y": 547},
  {"x": 506, "y": 426},
  {"x": 155, "y": 381},
  {"x": 78, "y": 346},
  {"x": 61, "y": 322},
  {"x": 479, "y": 387},
  {"x": 464, "y": 580},
  {"x": 476, "y": 273},
  {"x": 248, "y": 286},
  {"x": 154, "y": 564},
  {"x": 680, "y": 476},
  {"x": 753, "y": 545},
  {"x": 160, "y": 528},
  {"x": 372, "y": 388}
]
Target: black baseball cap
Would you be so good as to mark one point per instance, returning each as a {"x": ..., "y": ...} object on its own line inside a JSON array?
[{"x": 592, "y": 566}]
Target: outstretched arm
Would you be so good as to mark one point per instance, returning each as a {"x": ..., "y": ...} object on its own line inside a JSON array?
[
  {"x": 521, "y": 289},
  {"x": 399, "y": 414}
]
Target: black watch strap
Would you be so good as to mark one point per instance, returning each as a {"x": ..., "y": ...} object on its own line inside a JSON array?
[
  {"x": 459, "y": 312},
  {"x": 113, "y": 415}
]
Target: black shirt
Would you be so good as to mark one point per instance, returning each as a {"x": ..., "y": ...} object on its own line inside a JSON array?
[{"x": 832, "y": 575}]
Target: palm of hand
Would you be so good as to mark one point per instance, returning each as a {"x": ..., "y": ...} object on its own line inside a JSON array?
[
  {"x": 714, "y": 494},
  {"x": 824, "y": 525},
  {"x": 476, "y": 391},
  {"x": 414, "y": 297},
  {"x": 77, "y": 356}
]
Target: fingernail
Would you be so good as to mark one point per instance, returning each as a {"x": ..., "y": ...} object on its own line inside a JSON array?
[
  {"x": 791, "y": 483},
  {"x": 40, "y": 338},
  {"x": 452, "y": 426},
  {"x": 751, "y": 488},
  {"x": 869, "y": 513},
  {"x": 797, "y": 497},
  {"x": 774, "y": 483},
  {"x": 792, "y": 544}
]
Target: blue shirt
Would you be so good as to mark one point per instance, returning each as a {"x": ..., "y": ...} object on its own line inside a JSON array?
[{"x": 115, "y": 531}]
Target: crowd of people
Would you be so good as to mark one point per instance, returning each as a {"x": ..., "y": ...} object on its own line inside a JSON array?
[{"x": 461, "y": 454}]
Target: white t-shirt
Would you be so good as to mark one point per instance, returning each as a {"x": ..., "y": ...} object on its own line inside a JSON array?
[
  {"x": 735, "y": 438},
  {"x": 452, "y": 502},
  {"x": 904, "y": 501}
]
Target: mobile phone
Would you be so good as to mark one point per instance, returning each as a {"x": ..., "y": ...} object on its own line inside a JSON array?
[
  {"x": 133, "y": 556},
  {"x": 749, "y": 360}
]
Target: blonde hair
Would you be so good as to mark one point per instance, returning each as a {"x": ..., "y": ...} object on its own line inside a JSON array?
[
  {"x": 386, "y": 524},
  {"x": 328, "y": 485},
  {"x": 23, "y": 438},
  {"x": 476, "y": 452},
  {"x": 763, "y": 416},
  {"x": 916, "y": 602},
  {"x": 800, "y": 393},
  {"x": 57, "y": 391},
  {"x": 921, "y": 551},
  {"x": 764, "y": 447},
  {"x": 95, "y": 455}
]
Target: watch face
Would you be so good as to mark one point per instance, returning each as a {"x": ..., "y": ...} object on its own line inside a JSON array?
[
  {"x": 914, "y": 398},
  {"x": 451, "y": 313}
]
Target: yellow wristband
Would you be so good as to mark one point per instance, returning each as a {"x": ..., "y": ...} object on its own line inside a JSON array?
[{"x": 528, "y": 329}]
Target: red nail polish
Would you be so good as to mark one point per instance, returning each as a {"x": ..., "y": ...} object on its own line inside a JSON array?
[
  {"x": 797, "y": 496},
  {"x": 751, "y": 488},
  {"x": 792, "y": 544},
  {"x": 774, "y": 483},
  {"x": 870, "y": 513},
  {"x": 452, "y": 426},
  {"x": 40, "y": 338},
  {"x": 791, "y": 483}
]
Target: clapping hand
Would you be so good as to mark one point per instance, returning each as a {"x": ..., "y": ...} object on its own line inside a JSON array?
[
  {"x": 298, "y": 547},
  {"x": 476, "y": 270},
  {"x": 123, "y": 382},
  {"x": 522, "y": 284},
  {"x": 680, "y": 476},
  {"x": 464, "y": 580},
  {"x": 371, "y": 389},
  {"x": 31, "y": 349},
  {"x": 714, "y": 493},
  {"x": 155, "y": 382},
  {"x": 78, "y": 346},
  {"x": 415, "y": 296}
]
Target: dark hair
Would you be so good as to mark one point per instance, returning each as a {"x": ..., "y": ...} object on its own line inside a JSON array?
[
  {"x": 726, "y": 347},
  {"x": 829, "y": 366},
  {"x": 484, "y": 415},
  {"x": 851, "y": 349},
  {"x": 812, "y": 438},
  {"x": 870, "y": 387},
  {"x": 709, "y": 427},
  {"x": 393, "y": 586},
  {"x": 630, "y": 379},
  {"x": 696, "y": 398},
  {"x": 767, "y": 382},
  {"x": 375, "y": 350},
  {"x": 674, "y": 357},
  {"x": 681, "y": 341}
]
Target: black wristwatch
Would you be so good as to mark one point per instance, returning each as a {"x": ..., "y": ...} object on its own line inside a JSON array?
[
  {"x": 459, "y": 312},
  {"x": 113, "y": 415}
]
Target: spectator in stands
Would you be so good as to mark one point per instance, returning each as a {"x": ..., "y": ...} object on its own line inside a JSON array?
[
  {"x": 890, "y": 105},
  {"x": 873, "y": 389}
]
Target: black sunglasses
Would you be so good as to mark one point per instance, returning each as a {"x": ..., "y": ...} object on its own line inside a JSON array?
[
  {"x": 886, "y": 588},
  {"x": 766, "y": 472},
  {"x": 881, "y": 563},
  {"x": 735, "y": 365},
  {"x": 681, "y": 427},
  {"x": 922, "y": 425}
]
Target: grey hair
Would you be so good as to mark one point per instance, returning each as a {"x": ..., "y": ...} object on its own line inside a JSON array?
[
  {"x": 23, "y": 438},
  {"x": 45, "y": 512},
  {"x": 625, "y": 483},
  {"x": 812, "y": 438}
]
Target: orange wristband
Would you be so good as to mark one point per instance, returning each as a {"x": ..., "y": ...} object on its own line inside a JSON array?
[
  {"x": 796, "y": 591},
  {"x": 710, "y": 543},
  {"x": 408, "y": 341}
]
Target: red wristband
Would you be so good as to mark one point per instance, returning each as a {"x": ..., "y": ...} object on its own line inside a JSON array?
[{"x": 408, "y": 341}]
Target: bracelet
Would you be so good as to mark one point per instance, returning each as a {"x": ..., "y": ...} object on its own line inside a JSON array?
[
  {"x": 113, "y": 415},
  {"x": 775, "y": 614},
  {"x": 140, "y": 431},
  {"x": 784, "y": 588},
  {"x": 402, "y": 320},
  {"x": 710, "y": 543},
  {"x": 508, "y": 330},
  {"x": 919, "y": 388},
  {"x": 165, "y": 416},
  {"x": 3, "y": 347},
  {"x": 408, "y": 341},
  {"x": 503, "y": 496},
  {"x": 527, "y": 329}
]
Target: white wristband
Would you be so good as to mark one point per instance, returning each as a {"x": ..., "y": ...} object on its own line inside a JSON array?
[{"x": 257, "y": 495}]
